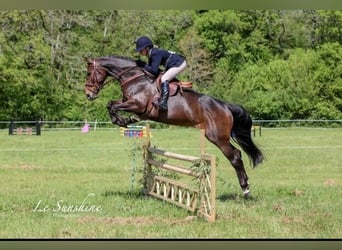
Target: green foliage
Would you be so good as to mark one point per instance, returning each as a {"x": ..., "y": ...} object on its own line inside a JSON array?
[
  {"x": 287, "y": 89},
  {"x": 200, "y": 69},
  {"x": 278, "y": 64}
]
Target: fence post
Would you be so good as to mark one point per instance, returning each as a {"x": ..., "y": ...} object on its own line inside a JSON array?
[
  {"x": 11, "y": 128},
  {"x": 212, "y": 215},
  {"x": 202, "y": 141},
  {"x": 148, "y": 181},
  {"x": 37, "y": 128}
]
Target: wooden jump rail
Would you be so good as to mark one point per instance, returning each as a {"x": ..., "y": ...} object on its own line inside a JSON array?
[{"x": 201, "y": 198}]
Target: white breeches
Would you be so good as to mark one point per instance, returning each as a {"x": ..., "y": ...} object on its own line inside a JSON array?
[{"x": 171, "y": 73}]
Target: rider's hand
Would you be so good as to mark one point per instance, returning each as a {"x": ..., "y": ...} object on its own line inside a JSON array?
[{"x": 140, "y": 63}]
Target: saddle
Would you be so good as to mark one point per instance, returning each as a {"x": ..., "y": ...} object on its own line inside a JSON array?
[{"x": 175, "y": 85}]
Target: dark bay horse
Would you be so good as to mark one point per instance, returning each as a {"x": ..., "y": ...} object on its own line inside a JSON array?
[{"x": 221, "y": 121}]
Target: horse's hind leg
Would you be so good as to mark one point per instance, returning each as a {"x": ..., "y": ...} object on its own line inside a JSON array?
[
  {"x": 234, "y": 156},
  {"x": 239, "y": 167}
]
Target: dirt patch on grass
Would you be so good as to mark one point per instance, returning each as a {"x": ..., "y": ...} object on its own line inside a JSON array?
[
  {"x": 21, "y": 167},
  {"x": 330, "y": 182},
  {"x": 277, "y": 207},
  {"x": 139, "y": 220},
  {"x": 293, "y": 220},
  {"x": 28, "y": 167}
]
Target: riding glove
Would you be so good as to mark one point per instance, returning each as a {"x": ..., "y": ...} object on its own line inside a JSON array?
[{"x": 140, "y": 63}]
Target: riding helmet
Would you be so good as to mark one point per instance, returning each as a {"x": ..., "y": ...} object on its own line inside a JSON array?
[{"x": 142, "y": 43}]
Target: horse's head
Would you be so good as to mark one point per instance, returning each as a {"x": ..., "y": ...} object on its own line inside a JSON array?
[
  {"x": 99, "y": 68},
  {"x": 96, "y": 76}
]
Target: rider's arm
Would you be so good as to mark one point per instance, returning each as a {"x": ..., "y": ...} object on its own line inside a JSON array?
[{"x": 154, "y": 62}]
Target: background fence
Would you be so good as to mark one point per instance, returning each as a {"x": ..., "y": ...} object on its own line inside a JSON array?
[{"x": 94, "y": 125}]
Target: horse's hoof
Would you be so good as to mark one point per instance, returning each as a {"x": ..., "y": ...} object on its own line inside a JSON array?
[
  {"x": 114, "y": 120},
  {"x": 134, "y": 119},
  {"x": 247, "y": 194}
]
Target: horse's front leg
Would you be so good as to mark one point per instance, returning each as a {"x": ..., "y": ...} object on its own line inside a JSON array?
[
  {"x": 113, "y": 113},
  {"x": 113, "y": 108}
]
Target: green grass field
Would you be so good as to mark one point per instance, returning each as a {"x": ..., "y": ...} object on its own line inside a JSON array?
[{"x": 296, "y": 192}]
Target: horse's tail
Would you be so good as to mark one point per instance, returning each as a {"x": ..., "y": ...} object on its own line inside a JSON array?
[{"x": 241, "y": 133}]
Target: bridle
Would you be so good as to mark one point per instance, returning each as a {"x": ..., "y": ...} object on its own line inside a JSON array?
[{"x": 118, "y": 77}]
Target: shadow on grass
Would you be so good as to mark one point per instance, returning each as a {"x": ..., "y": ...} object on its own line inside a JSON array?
[
  {"x": 227, "y": 197},
  {"x": 138, "y": 194},
  {"x": 128, "y": 194},
  {"x": 235, "y": 197}
]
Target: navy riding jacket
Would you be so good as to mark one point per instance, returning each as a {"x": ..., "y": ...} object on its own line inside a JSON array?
[{"x": 158, "y": 57}]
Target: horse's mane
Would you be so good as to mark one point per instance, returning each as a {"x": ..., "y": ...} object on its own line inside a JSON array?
[
  {"x": 121, "y": 57},
  {"x": 108, "y": 60}
]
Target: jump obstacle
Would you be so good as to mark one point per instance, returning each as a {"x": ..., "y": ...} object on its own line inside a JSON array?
[
  {"x": 255, "y": 128},
  {"x": 14, "y": 130},
  {"x": 134, "y": 131},
  {"x": 198, "y": 198},
  {"x": 138, "y": 133}
]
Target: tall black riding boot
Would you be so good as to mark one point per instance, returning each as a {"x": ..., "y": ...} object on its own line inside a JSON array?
[{"x": 164, "y": 95}]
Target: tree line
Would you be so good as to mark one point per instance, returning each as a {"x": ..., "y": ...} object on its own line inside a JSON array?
[{"x": 278, "y": 64}]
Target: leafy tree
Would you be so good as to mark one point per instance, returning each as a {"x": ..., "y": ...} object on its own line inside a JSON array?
[
  {"x": 286, "y": 89},
  {"x": 200, "y": 67},
  {"x": 276, "y": 63},
  {"x": 329, "y": 26}
]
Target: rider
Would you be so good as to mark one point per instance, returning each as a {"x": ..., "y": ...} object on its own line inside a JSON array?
[{"x": 172, "y": 62}]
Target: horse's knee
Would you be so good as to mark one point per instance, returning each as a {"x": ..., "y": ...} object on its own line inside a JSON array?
[
  {"x": 112, "y": 109},
  {"x": 112, "y": 104}
]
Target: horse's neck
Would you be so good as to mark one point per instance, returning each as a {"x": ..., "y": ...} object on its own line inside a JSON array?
[{"x": 148, "y": 86}]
